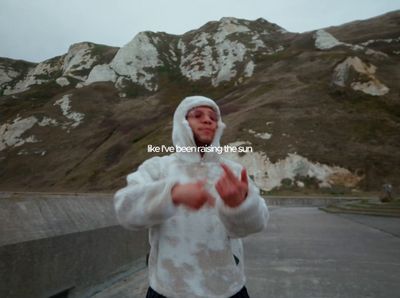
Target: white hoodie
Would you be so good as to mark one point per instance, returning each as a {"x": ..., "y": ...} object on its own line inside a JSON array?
[{"x": 192, "y": 252}]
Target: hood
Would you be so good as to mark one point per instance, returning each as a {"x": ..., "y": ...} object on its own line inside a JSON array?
[{"x": 182, "y": 134}]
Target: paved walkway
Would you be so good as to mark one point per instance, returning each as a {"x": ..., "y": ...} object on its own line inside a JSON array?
[{"x": 308, "y": 253}]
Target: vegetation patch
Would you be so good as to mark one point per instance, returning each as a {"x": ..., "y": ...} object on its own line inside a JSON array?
[{"x": 366, "y": 207}]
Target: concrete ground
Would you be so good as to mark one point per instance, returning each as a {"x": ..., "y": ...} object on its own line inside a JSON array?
[{"x": 308, "y": 253}]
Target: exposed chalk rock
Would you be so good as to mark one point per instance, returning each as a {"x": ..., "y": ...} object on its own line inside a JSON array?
[
  {"x": 385, "y": 40},
  {"x": 249, "y": 69},
  {"x": 65, "y": 105},
  {"x": 228, "y": 26},
  {"x": 372, "y": 87},
  {"x": 77, "y": 59},
  {"x": 46, "y": 121},
  {"x": 40, "y": 74},
  {"x": 101, "y": 73},
  {"x": 11, "y": 133},
  {"x": 216, "y": 54},
  {"x": 229, "y": 53},
  {"x": 369, "y": 85},
  {"x": 7, "y": 74},
  {"x": 222, "y": 52},
  {"x": 324, "y": 40},
  {"x": 265, "y": 135},
  {"x": 62, "y": 81},
  {"x": 268, "y": 175},
  {"x": 135, "y": 59}
]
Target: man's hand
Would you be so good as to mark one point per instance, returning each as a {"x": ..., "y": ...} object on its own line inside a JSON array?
[
  {"x": 191, "y": 195},
  {"x": 232, "y": 190}
]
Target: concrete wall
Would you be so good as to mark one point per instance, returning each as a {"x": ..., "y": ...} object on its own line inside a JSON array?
[{"x": 55, "y": 243}]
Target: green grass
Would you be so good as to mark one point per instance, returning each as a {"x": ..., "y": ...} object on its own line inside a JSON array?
[
  {"x": 133, "y": 90},
  {"x": 367, "y": 207},
  {"x": 261, "y": 90},
  {"x": 326, "y": 192}
]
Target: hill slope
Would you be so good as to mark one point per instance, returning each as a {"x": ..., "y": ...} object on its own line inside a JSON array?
[{"x": 321, "y": 109}]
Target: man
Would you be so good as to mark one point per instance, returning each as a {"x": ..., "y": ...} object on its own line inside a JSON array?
[{"x": 197, "y": 206}]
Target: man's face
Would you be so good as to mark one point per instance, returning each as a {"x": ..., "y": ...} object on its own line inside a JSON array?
[{"x": 203, "y": 122}]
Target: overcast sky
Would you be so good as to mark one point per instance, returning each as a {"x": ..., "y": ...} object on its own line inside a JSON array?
[{"x": 36, "y": 30}]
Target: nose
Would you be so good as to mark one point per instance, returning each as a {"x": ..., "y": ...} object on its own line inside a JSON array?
[{"x": 207, "y": 119}]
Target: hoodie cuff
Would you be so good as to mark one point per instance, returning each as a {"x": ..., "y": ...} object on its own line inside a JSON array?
[{"x": 168, "y": 205}]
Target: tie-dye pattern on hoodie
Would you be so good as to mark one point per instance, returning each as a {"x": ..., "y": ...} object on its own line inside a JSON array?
[{"x": 193, "y": 254}]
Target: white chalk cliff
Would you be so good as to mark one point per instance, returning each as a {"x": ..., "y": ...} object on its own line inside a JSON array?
[{"x": 219, "y": 52}]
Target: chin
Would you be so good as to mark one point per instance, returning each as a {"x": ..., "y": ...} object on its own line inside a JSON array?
[
  {"x": 204, "y": 142},
  {"x": 207, "y": 142}
]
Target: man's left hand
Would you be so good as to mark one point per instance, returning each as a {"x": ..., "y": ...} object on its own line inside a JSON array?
[{"x": 232, "y": 190}]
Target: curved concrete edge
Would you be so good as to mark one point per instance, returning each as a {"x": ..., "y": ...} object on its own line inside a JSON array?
[
  {"x": 63, "y": 244},
  {"x": 27, "y": 217}
]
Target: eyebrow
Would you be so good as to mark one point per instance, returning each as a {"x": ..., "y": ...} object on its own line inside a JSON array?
[
  {"x": 208, "y": 109},
  {"x": 208, "y": 112}
]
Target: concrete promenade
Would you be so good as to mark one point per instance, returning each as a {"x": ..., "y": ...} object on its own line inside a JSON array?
[
  {"x": 306, "y": 253},
  {"x": 52, "y": 242}
]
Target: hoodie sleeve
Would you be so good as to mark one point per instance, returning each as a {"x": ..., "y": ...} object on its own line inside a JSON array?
[
  {"x": 146, "y": 200},
  {"x": 249, "y": 217}
]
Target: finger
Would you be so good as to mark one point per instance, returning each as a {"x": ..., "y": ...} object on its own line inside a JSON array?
[
  {"x": 225, "y": 184},
  {"x": 202, "y": 181},
  {"x": 200, "y": 184},
  {"x": 244, "y": 176},
  {"x": 206, "y": 198},
  {"x": 200, "y": 201},
  {"x": 221, "y": 183},
  {"x": 222, "y": 179},
  {"x": 218, "y": 187},
  {"x": 210, "y": 200},
  {"x": 223, "y": 188},
  {"x": 228, "y": 172}
]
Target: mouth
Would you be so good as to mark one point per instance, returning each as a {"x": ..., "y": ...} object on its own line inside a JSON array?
[{"x": 206, "y": 130}]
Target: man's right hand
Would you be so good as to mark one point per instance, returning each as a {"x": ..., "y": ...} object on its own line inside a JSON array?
[{"x": 192, "y": 195}]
